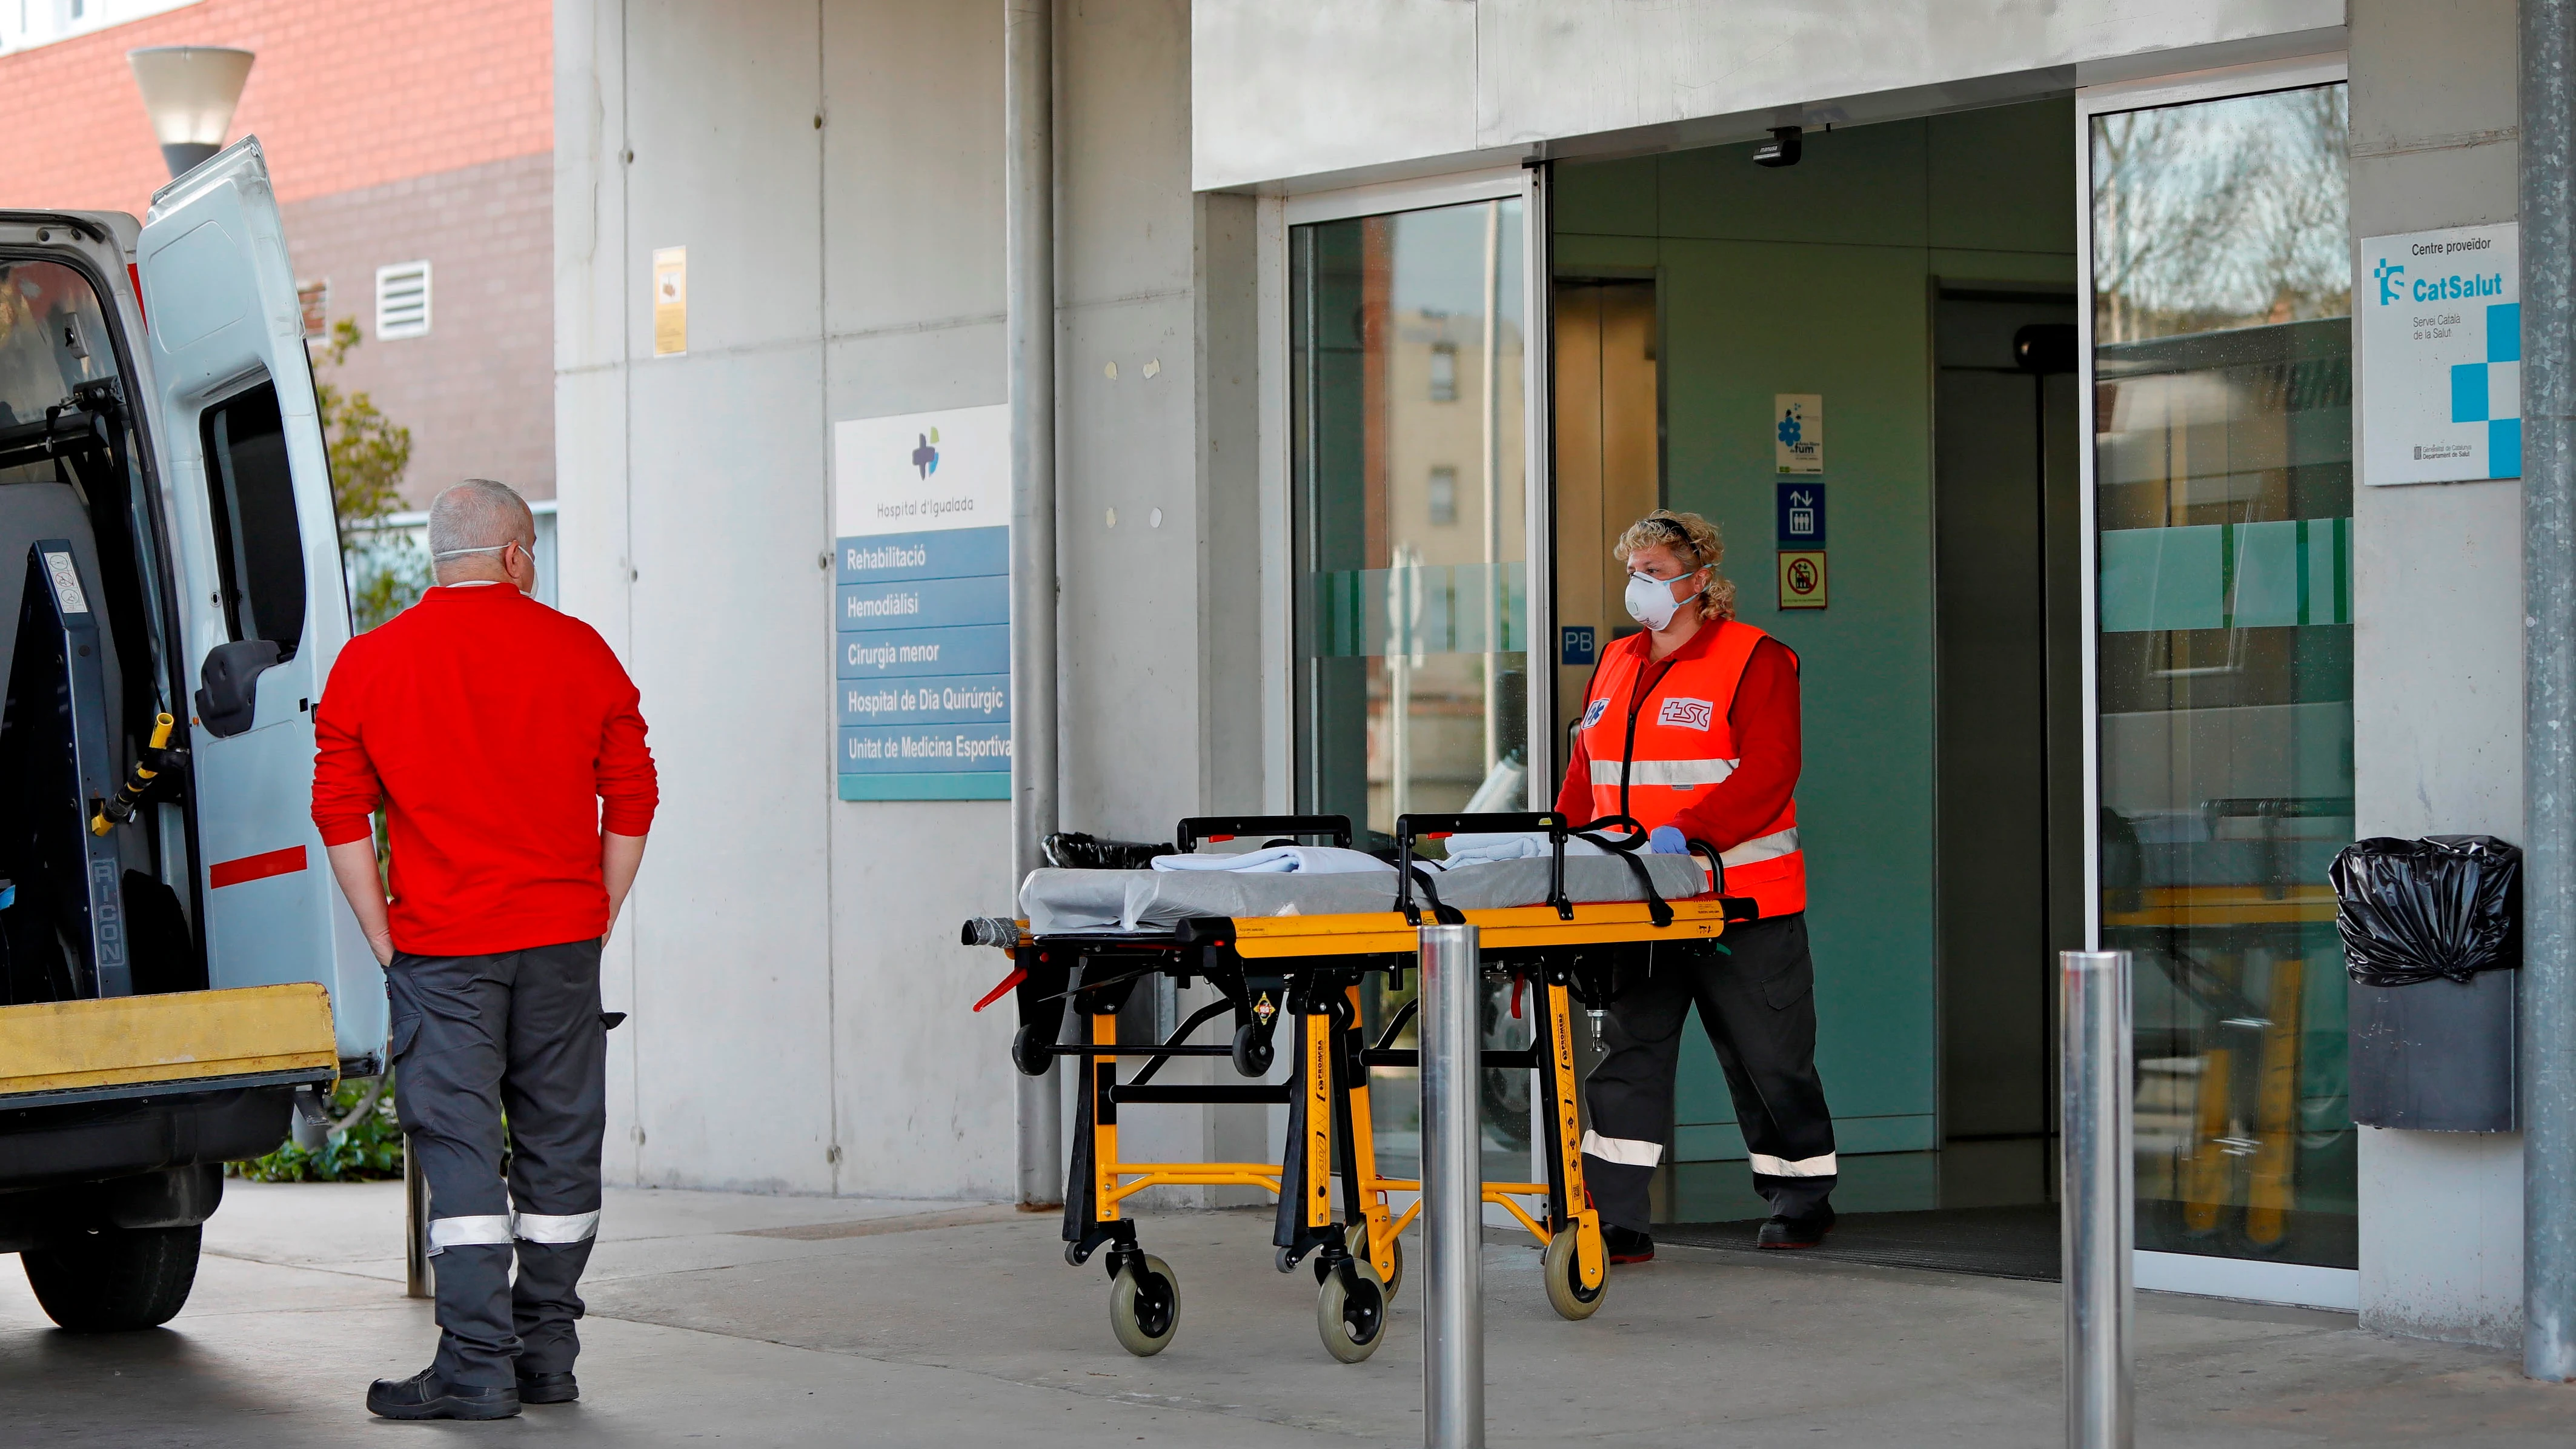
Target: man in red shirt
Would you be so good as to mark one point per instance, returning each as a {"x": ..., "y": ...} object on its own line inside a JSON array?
[
  {"x": 503, "y": 741},
  {"x": 1693, "y": 724}
]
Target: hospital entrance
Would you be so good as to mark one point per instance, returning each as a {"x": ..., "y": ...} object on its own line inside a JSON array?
[{"x": 1866, "y": 368}]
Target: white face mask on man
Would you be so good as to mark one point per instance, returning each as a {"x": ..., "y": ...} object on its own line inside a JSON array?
[{"x": 1650, "y": 600}]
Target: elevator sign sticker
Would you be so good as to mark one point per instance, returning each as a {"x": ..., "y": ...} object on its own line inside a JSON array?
[
  {"x": 2440, "y": 322},
  {"x": 1798, "y": 431},
  {"x": 921, "y": 643}
]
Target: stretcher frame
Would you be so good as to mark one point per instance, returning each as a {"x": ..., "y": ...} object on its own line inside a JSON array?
[{"x": 1311, "y": 969}]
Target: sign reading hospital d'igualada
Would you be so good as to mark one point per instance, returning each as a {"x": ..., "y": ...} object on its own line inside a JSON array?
[
  {"x": 2440, "y": 318},
  {"x": 922, "y": 644}
]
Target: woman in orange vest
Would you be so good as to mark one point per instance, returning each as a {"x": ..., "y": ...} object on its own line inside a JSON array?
[{"x": 1693, "y": 723}]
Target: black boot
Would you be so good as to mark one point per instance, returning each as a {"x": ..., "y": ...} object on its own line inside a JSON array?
[
  {"x": 1804, "y": 1231},
  {"x": 1627, "y": 1245},
  {"x": 427, "y": 1396},
  {"x": 560, "y": 1388}
]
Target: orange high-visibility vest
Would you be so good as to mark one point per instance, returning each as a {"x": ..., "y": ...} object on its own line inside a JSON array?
[{"x": 1660, "y": 743}]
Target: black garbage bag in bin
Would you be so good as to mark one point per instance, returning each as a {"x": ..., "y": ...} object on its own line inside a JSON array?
[
  {"x": 2432, "y": 931},
  {"x": 2412, "y": 910}
]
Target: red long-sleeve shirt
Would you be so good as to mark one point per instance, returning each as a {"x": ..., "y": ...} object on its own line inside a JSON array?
[
  {"x": 1764, "y": 717},
  {"x": 501, "y": 737}
]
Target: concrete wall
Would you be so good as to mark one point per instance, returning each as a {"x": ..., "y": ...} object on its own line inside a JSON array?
[
  {"x": 835, "y": 171},
  {"x": 1390, "y": 86},
  {"x": 2437, "y": 646}
]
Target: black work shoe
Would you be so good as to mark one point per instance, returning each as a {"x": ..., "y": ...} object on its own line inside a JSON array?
[
  {"x": 1627, "y": 1245},
  {"x": 560, "y": 1388},
  {"x": 1799, "y": 1232},
  {"x": 427, "y": 1396}
]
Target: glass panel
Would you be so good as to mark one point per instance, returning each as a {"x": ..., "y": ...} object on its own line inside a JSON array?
[
  {"x": 259, "y": 550},
  {"x": 2223, "y": 496},
  {"x": 1412, "y": 593}
]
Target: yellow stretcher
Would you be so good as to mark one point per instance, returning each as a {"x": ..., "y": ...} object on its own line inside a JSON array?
[{"x": 1310, "y": 969}]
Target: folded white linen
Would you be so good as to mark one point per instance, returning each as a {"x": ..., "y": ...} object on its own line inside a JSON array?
[
  {"x": 1281, "y": 860},
  {"x": 1476, "y": 848}
]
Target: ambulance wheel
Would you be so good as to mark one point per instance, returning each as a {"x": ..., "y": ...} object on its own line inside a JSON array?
[
  {"x": 1029, "y": 1054},
  {"x": 1350, "y": 1311},
  {"x": 115, "y": 1280},
  {"x": 1145, "y": 1305},
  {"x": 1562, "y": 1269},
  {"x": 1252, "y": 1050},
  {"x": 1358, "y": 1243}
]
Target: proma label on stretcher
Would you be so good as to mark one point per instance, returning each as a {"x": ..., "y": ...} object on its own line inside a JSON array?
[{"x": 922, "y": 605}]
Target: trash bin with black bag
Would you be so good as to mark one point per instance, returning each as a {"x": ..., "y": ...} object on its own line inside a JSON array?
[{"x": 2432, "y": 936}]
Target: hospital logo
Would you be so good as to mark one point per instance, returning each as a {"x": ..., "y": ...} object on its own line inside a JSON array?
[
  {"x": 2386, "y": 273},
  {"x": 1593, "y": 715},
  {"x": 925, "y": 458},
  {"x": 1689, "y": 714}
]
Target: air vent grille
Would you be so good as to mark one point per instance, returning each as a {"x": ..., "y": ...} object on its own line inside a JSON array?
[{"x": 402, "y": 300}]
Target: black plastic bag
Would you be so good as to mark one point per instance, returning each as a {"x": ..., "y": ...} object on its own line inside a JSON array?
[
  {"x": 2412, "y": 910},
  {"x": 1073, "y": 850}
]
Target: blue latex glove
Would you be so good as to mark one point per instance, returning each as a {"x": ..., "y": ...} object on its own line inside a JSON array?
[{"x": 1666, "y": 840}]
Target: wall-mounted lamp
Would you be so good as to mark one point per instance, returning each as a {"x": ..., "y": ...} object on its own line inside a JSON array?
[
  {"x": 189, "y": 91},
  {"x": 1781, "y": 150}
]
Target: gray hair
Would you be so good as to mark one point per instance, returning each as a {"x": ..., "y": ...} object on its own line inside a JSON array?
[{"x": 478, "y": 516}]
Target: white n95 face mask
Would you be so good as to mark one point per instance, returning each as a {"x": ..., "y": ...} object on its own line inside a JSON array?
[{"x": 1651, "y": 601}]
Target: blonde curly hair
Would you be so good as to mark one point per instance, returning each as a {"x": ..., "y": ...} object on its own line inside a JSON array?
[{"x": 1695, "y": 539}]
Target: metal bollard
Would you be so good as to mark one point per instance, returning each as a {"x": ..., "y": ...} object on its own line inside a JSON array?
[
  {"x": 1453, "y": 1192},
  {"x": 2097, "y": 1173},
  {"x": 420, "y": 1276}
]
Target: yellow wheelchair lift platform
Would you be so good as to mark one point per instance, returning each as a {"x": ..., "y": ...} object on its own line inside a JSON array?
[
  {"x": 122, "y": 1046},
  {"x": 1310, "y": 968}
]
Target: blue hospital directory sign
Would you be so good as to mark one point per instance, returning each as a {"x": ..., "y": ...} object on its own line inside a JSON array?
[{"x": 922, "y": 605}]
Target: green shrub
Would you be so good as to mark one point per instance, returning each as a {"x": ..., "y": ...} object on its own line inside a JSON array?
[{"x": 371, "y": 1149}]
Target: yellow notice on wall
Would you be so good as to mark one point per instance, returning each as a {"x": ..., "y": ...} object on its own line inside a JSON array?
[
  {"x": 670, "y": 301},
  {"x": 1802, "y": 578}
]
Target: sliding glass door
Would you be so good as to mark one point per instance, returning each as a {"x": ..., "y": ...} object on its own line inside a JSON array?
[{"x": 2222, "y": 505}]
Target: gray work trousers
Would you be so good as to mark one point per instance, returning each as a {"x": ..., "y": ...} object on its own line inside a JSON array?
[
  {"x": 474, "y": 1037},
  {"x": 1757, "y": 1001}
]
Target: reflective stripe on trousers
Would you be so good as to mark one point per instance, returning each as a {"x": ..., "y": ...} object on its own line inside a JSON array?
[
  {"x": 1626, "y": 1151},
  {"x": 445, "y": 1233}
]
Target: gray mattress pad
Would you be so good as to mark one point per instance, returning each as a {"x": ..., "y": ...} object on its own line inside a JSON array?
[{"x": 1059, "y": 902}]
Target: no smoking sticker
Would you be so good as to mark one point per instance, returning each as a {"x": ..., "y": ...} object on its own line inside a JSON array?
[{"x": 1802, "y": 578}]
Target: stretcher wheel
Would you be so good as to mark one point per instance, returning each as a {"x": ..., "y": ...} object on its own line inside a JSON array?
[
  {"x": 1252, "y": 1050},
  {"x": 1350, "y": 1311},
  {"x": 1358, "y": 1243},
  {"x": 1145, "y": 1306},
  {"x": 1562, "y": 1269},
  {"x": 1029, "y": 1054}
]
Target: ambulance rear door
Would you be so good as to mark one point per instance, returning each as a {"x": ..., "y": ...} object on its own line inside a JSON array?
[{"x": 263, "y": 606}]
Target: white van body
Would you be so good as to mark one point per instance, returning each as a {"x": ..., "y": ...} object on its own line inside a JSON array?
[{"x": 171, "y": 980}]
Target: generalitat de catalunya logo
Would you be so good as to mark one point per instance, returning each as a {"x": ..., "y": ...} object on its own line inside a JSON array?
[{"x": 925, "y": 456}]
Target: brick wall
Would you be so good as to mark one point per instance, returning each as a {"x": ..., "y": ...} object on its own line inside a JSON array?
[
  {"x": 394, "y": 132},
  {"x": 478, "y": 391},
  {"x": 345, "y": 96}
]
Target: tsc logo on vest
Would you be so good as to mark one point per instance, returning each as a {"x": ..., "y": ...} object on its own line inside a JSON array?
[
  {"x": 1593, "y": 715},
  {"x": 1689, "y": 714}
]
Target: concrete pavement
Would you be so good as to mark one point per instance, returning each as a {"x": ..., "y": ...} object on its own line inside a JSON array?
[{"x": 773, "y": 1320}]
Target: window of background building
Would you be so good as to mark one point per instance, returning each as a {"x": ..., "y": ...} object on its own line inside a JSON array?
[
  {"x": 402, "y": 300},
  {"x": 313, "y": 298},
  {"x": 1444, "y": 496},
  {"x": 2222, "y": 456},
  {"x": 1444, "y": 372},
  {"x": 28, "y": 23}
]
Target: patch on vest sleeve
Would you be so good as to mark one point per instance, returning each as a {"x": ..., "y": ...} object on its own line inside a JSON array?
[
  {"x": 1593, "y": 715},
  {"x": 1690, "y": 714}
]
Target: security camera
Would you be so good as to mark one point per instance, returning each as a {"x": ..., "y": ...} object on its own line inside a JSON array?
[{"x": 1780, "y": 150}]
